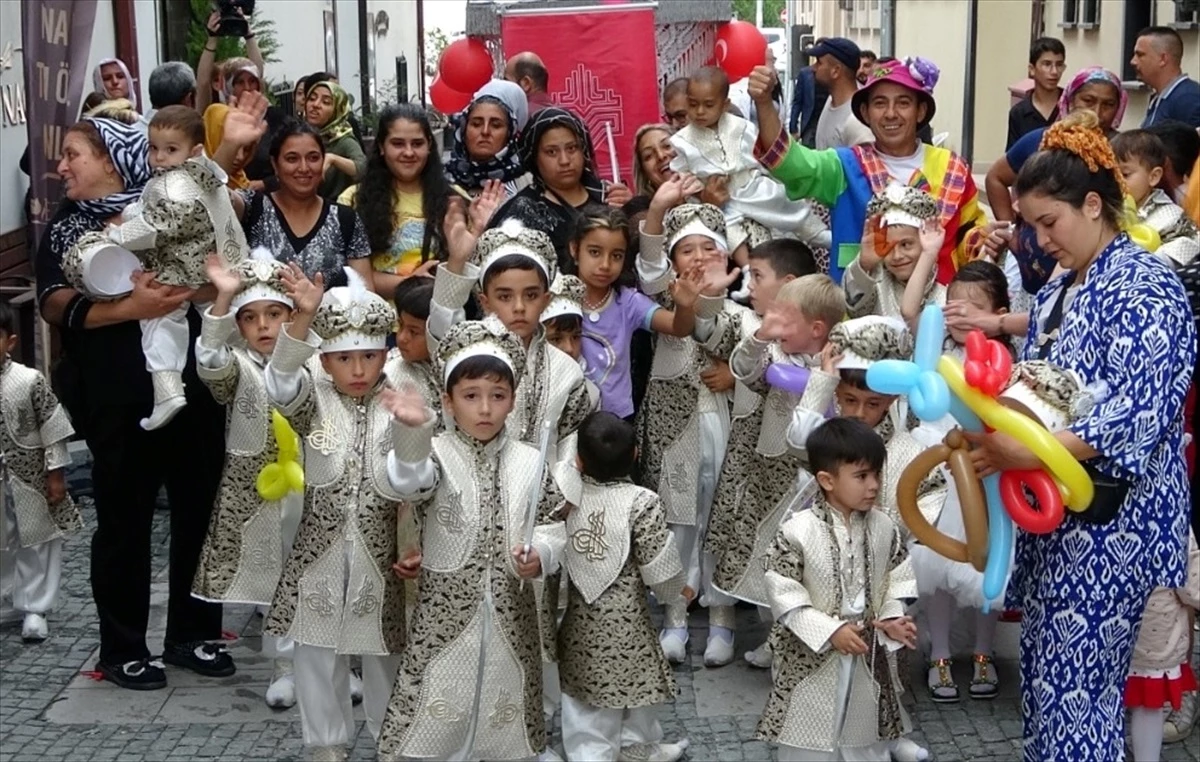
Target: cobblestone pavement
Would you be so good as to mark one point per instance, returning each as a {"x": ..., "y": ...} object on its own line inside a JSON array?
[{"x": 50, "y": 712}]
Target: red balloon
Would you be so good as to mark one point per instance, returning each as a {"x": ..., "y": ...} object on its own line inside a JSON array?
[
  {"x": 466, "y": 65},
  {"x": 1047, "y": 516},
  {"x": 988, "y": 364},
  {"x": 446, "y": 99},
  {"x": 740, "y": 47}
]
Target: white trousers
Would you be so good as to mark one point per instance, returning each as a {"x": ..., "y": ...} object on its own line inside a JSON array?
[
  {"x": 323, "y": 693},
  {"x": 291, "y": 510},
  {"x": 698, "y": 565},
  {"x": 165, "y": 339},
  {"x": 592, "y": 734},
  {"x": 30, "y": 576}
]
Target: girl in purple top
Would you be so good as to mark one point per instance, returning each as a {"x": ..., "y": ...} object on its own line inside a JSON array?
[{"x": 613, "y": 308}]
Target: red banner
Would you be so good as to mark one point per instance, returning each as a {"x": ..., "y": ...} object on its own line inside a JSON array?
[{"x": 602, "y": 66}]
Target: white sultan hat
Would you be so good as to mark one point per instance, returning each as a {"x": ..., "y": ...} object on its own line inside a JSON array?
[
  {"x": 567, "y": 298},
  {"x": 694, "y": 219},
  {"x": 351, "y": 317},
  {"x": 512, "y": 237},
  {"x": 480, "y": 338},
  {"x": 261, "y": 280},
  {"x": 100, "y": 268},
  {"x": 1054, "y": 397},
  {"x": 902, "y": 205},
  {"x": 867, "y": 340}
]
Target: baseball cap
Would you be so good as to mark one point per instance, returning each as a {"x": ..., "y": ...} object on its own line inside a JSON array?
[{"x": 845, "y": 51}]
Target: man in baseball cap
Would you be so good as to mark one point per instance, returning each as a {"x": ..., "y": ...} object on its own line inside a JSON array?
[{"x": 835, "y": 65}]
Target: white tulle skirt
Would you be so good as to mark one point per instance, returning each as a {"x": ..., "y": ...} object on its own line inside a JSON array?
[{"x": 935, "y": 572}]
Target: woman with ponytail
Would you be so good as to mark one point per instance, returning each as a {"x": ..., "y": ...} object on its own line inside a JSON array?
[{"x": 1119, "y": 320}]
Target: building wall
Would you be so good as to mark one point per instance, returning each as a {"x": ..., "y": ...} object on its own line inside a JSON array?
[
  {"x": 1105, "y": 46},
  {"x": 918, "y": 27},
  {"x": 1002, "y": 60},
  {"x": 302, "y": 41}
]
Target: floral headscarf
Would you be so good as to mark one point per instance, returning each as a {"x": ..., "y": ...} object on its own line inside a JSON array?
[
  {"x": 338, "y": 125},
  {"x": 1088, "y": 76},
  {"x": 505, "y": 166},
  {"x": 546, "y": 120},
  {"x": 129, "y": 150}
]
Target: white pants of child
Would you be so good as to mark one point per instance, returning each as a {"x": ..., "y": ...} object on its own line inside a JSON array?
[
  {"x": 593, "y": 734},
  {"x": 698, "y": 565},
  {"x": 165, "y": 339},
  {"x": 291, "y": 509},
  {"x": 30, "y": 575},
  {"x": 323, "y": 693}
]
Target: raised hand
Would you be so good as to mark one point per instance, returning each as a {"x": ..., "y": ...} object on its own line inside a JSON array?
[
  {"x": 831, "y": 355},
  {"x": 761, "y": 84},
  {"x": 686, "y": 288},
  {"x": 485, "y": 205},
  {"x": 225, "y": 278},
  {"x": 717, "y": 275},
  {"x": 305, "y": 294},
  {"x": 779, "y": 321},
  {"x": 932, "y": 236},
  {"x": 870, "y": 253},
  {"x": 406, "y": 405},
  {"x": 617, "y": 194},
  {"x": 460, "y": 240},
  {"x": 671, "y": 193},
  {"x": 245, "y": 121}
]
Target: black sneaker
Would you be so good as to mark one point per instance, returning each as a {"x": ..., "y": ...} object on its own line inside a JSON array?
[
  {"x": 140, "y": 675},
  {"x": 201, "y": 657}
]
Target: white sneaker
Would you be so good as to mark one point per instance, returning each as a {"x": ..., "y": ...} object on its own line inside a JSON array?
[
  {"x": 34, "y": 629},
  {"x": 356, "y": 692},
  {"x": 719, "y": 650},
  {"x": 1178, "y": 723},
  {"x": 907, "y": 750},
  {"x": 281, "y": 693},
  {"x": 327, "y": 753},
  {"x": 760, "y": 657},
  {"x": 653, "y": 752},
  {"x": 674, "y": 644}
]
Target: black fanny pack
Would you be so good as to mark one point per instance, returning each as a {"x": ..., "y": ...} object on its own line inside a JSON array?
[{"x": 1109, "y": 494}]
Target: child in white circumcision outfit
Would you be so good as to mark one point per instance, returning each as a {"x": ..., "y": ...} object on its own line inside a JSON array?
[{"x": 185, "y": 213}]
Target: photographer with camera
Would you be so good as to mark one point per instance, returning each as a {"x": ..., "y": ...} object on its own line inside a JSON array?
[{"x": 229, "y": 19}]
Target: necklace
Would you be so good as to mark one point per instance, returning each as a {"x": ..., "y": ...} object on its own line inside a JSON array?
[{"x": 594, "y": 310}]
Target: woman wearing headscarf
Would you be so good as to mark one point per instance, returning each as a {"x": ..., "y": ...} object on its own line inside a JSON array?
[
  {"x": 485, "y": 140},
  {"x": 106, "y": 389},
  {"x": 328, "y": 111},
  {"x": 557, "y": 152},
  {"x": 111, "y": 77},
  {"x": 1095, "y": 89}
]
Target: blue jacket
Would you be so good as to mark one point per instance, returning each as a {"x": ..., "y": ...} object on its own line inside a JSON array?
[{"x": 1182, "y": 104}]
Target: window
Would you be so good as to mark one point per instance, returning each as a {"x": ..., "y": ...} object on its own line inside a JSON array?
[
  {"x": 1187, "y": 14},
  {"x": 1137, "y": 18},
  {"x": 864, "y": 14},
  {"x": 1083, "y": 14}
]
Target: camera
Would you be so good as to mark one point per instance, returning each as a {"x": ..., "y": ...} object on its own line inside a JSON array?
[{"x": 233, "y": 23}]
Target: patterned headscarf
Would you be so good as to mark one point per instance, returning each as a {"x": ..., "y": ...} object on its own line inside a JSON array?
[
  {"x": 547, "y": 119},
  {"x": 129, "y": 150},
  {"x": 506, "y": 165},
  {"x": 338, "y": 125},
  {"x": 98, "y": 80},
  {"x": 1086, "y": 77}
]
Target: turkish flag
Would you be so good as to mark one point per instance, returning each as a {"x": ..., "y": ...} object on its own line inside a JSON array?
[{"x": 602, "y": 66}]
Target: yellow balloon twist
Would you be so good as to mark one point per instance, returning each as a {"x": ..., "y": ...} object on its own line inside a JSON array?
[
  {"x": 286, "y": 474},
  {"x": 1139, "y": 232}
]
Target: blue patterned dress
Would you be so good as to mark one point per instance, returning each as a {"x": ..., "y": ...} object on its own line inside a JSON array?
[{"x": 1083, "y": 587}]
